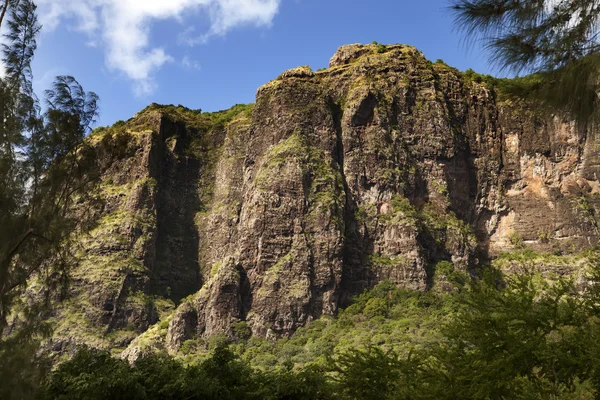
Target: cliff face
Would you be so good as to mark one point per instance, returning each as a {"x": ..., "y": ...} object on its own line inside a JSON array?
[{"x": 374, "y": 169}]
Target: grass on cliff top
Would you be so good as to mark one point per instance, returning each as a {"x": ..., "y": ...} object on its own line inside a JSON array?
[
  {"x": 505, "y": 88},
  {"x": 202, "y": 121},
  {"x": 528, "y": 257},
  {"x": 529, "y": 88}
]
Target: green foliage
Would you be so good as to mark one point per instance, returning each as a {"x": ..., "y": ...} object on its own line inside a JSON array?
[
  {"x": 556, "y": 43},
  {"x": 385, "y": 316},
  {"x": 530, "y": 331},
  {"x": 215, "y": 268},
  {"x": 516, "y": 239},
  {"x": 498, "y": 337},
  {"x": 376, "y": 307},
  {"x": 241, "y": 330},
  {"x": 445, "y": 268},
  {"x": 472, "y": 76},
  {"x": 44, "y": 165},
  {"x": 95, "y": 375},
  {"x": 544, "y": 235},
  {"x": 203, "y": 122},
  {"x": 372, "y": 374},
  {"x": 401, "y": 204},
  {"x": 444, "y": 271},
  {"x": 98, "y": 130},
  {"x": 221, "y": 118},
  {"x": 376, "y": 259},
  {"x": 22, "y": 368},
  {"x": 381, "y": 48},
  {"x": 531, "y": 35},
  {"x": 520, "y": 255}
]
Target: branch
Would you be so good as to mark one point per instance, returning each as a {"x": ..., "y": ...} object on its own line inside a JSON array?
[
  {"x": 4, "y": 8},
  {"x": 8, "y": 257},
  {"x": 21, "y": 281},
  {"x": 16, "y": 247}
]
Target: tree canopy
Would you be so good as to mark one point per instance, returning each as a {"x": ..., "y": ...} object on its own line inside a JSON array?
[
  {"x": 556, "y": 40},
  {"x": 41, "y": 162},
  {"x": 44, "y": 166},
  {"x": 526, "y": 338}
]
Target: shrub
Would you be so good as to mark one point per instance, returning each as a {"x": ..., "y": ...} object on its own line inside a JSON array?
[
  {"x": 241, "y": 330},
  {"x": 381, "y": 48},
  {"x": 516, "y": 239},
  {"x": 544, "y": 236},
  {"x": 376, "y": 307}
]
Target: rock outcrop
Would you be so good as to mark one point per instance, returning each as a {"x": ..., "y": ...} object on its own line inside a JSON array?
[{"x": 376, "y": 168}]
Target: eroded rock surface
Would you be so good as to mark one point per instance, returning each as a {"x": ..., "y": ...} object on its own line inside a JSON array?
[{"x": 376, "y": 168}]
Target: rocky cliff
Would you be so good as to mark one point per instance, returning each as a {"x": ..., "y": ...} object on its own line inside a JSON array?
[{"x": 266, "y": 217}]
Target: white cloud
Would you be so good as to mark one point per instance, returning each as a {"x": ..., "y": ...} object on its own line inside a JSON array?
[
  {"x": 188, "y": 63},
  {"x": 123, "y": 27}
]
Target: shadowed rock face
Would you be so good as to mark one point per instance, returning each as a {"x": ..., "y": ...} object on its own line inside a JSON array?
[{"x": 376, "y": 168}]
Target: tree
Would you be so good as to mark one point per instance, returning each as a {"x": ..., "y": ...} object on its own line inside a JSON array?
[
  {"x": 44, "y": 165},
  {"x": 529, "y": 339},
  {"x": 372, "y": 374},
  {"x": 93, "y": 374},
  {"x": 5, "y": 5},
  {"x": 43, "y": 162},
  {"x": 556, "y": 40}
]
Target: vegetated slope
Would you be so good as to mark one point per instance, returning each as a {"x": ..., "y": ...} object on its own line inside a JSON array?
[
  {"x": 140, "y": 256},
  {"x": 530, "y": 337},
  {"x": 263, "y": 218}
]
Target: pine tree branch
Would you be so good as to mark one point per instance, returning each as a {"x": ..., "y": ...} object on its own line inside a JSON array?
[
  {"x": 24, "y": 238},
  {"x": 4, "y": 8},
  {"x": 11, "y": 253}
]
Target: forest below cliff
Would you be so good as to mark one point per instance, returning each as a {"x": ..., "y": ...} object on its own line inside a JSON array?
[{"x": 518, "y": 337}]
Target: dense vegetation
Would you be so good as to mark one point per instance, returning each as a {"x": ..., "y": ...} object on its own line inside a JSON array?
[
  {"x": 496, "y": 337},
  {"x": 556, "y": 41},
  {"x": 44, "y": 163},
  {"x": 44, "y": 166}
]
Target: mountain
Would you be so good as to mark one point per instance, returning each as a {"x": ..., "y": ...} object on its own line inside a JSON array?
[{"x": 262, "y": 218}]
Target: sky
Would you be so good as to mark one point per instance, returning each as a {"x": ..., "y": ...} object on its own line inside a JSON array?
[{"x": 212, "y": 54}]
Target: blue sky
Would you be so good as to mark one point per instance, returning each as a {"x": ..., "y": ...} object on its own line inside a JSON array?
[{"x": 212, "y": 54}]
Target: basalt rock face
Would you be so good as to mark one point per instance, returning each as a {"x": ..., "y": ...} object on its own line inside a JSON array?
[
  {"x": 374, "y": 169},
  {"x": 378, "y": 168},
  {"x": 141, "y": 254}
]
